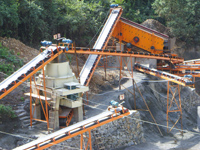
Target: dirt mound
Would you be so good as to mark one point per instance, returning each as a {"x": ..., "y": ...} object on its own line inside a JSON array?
[
  {"x": 99, "y": 83},
  {"x": 24, "y": 52},
  {"x": 155, "y": 25}
]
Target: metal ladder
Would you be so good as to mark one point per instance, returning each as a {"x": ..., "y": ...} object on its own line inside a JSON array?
[
  {"x": 69, "y": 117},
  {"x": 52, "y": 116}
]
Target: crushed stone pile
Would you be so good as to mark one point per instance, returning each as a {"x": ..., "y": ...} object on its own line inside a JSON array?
[{"x": 156, "y": 25}]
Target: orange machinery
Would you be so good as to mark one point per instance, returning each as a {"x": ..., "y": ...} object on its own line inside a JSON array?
[{"x": 136, "y": 35}]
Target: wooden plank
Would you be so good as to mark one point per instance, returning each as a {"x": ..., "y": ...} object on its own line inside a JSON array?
[{"x": 37, "y": 96}]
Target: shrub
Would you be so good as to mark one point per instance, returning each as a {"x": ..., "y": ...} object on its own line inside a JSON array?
[{"x": 6, "y": 111}]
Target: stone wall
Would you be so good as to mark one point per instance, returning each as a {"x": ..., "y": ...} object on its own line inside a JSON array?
[
  {"x": 126, "y": 131},
  {"x": 122, "y": 132}
]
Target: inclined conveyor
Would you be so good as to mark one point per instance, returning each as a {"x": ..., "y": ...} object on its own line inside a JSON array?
[
  {"x": 28, "y": 68},
  {"x": 193, "y": 73},
  {"x": 62, "y": 133},
  {"x": 166, "y": 75},
  {"x": 85, "y": 72},
  {"x": 193, "y": 61}
]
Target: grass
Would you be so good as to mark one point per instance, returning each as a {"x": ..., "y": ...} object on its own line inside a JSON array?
[
  {"x": 9, "y": 62},
  {"x": 6, "y": 111}
]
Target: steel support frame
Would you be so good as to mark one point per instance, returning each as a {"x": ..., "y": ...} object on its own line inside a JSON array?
[
  {"x": 135, "y": 85},
  {"x": 89, "y": 141},
  {"x": 44, "y": 109},
  {"x": 69, "y": 135},
  {"x": 125, "y": 54},
  {"x": 25, "y": 77},
  {"x": 105, "y": 44},
  {"x": 173, "y": 89}
]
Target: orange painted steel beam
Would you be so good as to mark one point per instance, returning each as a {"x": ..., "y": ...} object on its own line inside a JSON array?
[
  {"x": 161, "y": 76},
  {"x": 179, "y": 68},
  {"x": 92, "y": 71},
  {"x": 29, "y": 75},
  {"x": 177, "y": 104},
  {"x": 126, "y": 54},
  {"x": 69, "y": 117},
  {"x": 104, "y": 45},
  {"x": 66, "y": 137},
  {"x": 126, "y": 32}
]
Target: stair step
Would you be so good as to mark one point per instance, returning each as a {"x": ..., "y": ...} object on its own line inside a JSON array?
[
  {"x": 24, "y": 118},
  {"x": 23, "y": 114},
  {"x": 26, "y": 125},
  {"x": 19, "y": 111},
  {"x": 20, "y": 107},
  {"x": 28, "y": 121}
]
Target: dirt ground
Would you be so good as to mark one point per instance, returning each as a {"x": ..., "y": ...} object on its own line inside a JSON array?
[
  {"x": 174, "y": 140},
  {"x": 21, "y": 50}
]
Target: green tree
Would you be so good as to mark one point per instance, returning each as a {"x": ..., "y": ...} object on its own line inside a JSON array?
[
  {"x": 183, "y": 17},
  {"x": 80, "y": 20},
  {"x": 9, "y": 18},
  {"x": 32, "y": 26},
  {"x": 137, "y": 10}
]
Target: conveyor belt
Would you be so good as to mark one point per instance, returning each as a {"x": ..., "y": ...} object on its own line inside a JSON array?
[
  {"x": 82, "y": 50},
  {"x": 85, "y": 72},
  {"x": 193, "y": 61},
  {"x": 164, "y": 75},
  {"x": 181, "y": 67},
  {"x": 193, "y": 73},
  {"x": 27, "y": 70},
  {"x": 77, "y": 128}
]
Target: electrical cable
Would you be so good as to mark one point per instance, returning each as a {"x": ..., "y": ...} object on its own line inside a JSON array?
[
  {"x": 139, "y": 119},
  {"x": 154, "y": 123},
  {"x": 15, "y": 135}
]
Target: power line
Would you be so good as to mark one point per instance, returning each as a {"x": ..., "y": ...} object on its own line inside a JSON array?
[
  {"x": 143, "y": 120},
  {"x": 99, "y": 28}
]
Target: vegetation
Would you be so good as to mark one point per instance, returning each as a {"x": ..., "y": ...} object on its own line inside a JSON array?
[
  {"x": 6, "y": 111},
  {"x": 34, "y": 20},
  {"x": 9, "y": 62},
  {"x": 183, "y": 16}
]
